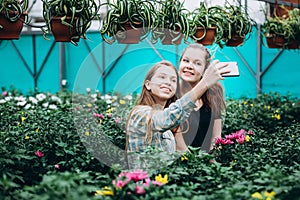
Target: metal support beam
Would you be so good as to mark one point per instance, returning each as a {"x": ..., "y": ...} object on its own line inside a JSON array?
[
  {"x": 62, "y": 64},
  {"x": 258, "y": 61}
]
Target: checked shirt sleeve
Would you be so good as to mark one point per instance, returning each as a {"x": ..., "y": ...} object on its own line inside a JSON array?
[{"x": 172, "y": 116}]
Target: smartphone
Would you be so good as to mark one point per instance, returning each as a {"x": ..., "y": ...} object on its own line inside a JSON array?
[{"x": 234, "y": 70}]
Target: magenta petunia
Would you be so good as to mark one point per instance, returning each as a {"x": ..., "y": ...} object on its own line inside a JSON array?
[{"x": 39, "y": 154}]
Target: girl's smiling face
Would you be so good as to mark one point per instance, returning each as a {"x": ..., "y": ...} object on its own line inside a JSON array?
[
  {"x": 192, "y": 66},
  {"x": 163, "y": 84}
]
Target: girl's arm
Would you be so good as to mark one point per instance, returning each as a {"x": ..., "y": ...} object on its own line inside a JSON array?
[
  {"x": 216, "y": 132},
  {"x": 180, "y": 144}
]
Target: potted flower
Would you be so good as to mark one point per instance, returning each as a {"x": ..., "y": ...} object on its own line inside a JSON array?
[
  {"x": 236, "y": 27},
  {"x": 171, "y": 23},
  {"x": 127, "y": 21},
  {"x": 12, "y": 17},
  {"x": 206, "y": 24},
  {"x": 282, "y": 32},
  {"x": 69, "y": 20}
]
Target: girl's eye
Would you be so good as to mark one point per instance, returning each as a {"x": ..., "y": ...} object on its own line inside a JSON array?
[
  {"x": 198, "y": 64},
  {"x": 174, "y": 80},
  {"x": 185, "y": 60},
  {"x": 161, "y": 76}
]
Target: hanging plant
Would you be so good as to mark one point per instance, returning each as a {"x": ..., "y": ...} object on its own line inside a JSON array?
[
  {"x": 74, "y": 16},
  {"x": 286, "y": 29},
  {"x": 172, "y": 23},
  {"x": 12, "y": 17},
  {"x": 126, "y": 19}
]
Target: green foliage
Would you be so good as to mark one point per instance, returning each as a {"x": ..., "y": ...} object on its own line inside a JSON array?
[
  {"x": 13, "y": 9},
  {"x": 44, "y": 151}
]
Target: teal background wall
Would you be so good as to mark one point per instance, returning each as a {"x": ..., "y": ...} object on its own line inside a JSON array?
[{"x": 33, "y": 62}]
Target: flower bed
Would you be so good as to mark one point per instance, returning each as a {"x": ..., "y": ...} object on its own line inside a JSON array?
[{"x": 44, "y": 151}]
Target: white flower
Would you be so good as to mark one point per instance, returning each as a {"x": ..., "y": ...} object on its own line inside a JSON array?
[
  {"x": 33, "y": 100},
  {"x": 108, "y": 101},
  {"x": 94, "y": 96},
  {"x": 88, "y": 90},
  {"x": 21, "y": 103},
  {"x": 2, "y": 101},
  {"x": 129, "y": 97},
  {"x": 45, "y": 104},
  {"x": 52, "y": 106},
  {"x": 115, "y": 97},
  {"x": 55, "y": 98},
  {"x": 27, "y": 106},
  {"x": 41, "y": 96},
  {"x": 8, "y": 98},
  {"x": 107, "y": 97},
  {"x": 20, "y": 98}
]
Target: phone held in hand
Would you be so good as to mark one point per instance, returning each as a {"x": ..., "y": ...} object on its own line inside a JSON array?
[{"x": 234, "y": 70}]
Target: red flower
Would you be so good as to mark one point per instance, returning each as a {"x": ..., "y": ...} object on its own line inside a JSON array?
[{"x": 39, "y": 154}]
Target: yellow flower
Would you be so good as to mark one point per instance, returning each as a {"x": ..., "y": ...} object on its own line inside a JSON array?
[
  {"x": 269, "y": 194},
  {"x": 160, "y": 179},
  {"x": 257, "y": 195},
  {"x": 23, "y": 119},
  {"x": 184, "y": 157},
  {"x": 276, "y": 116},
  {"x": 37, "y": 130},
  {"x": 27, "y": 137},
  {"x": 247, "y": 138},
  {"x": 89, "y": 105},
  {"x": 251, "y": 105},
  {"x": 122, "y": 102},
  {"x": 106, "y": 191},
  {"x": 87, "y": 133},
  {"x": 245, "y": 102},
  {"x": 100, "y": 121},
  {"x": 108, "y": 110}
]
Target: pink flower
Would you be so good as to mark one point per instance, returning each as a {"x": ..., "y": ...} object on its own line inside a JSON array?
[
  {"x": 236, "y": 135},
  {"x": 4, "y": 93},
  {"x": 223, "y": 141},
  {"x": 56, "y": 166},
  {"x": 118, "y": 120},
  {"x": 250, "y": 132},
  {"x": 120, "y": 183},
  {"x": 109, "y": 115},
  {"x": 39, "y": 154},
  {"x": 241, "y": 139},
  {"x": 139, "y": 189},
  {"x": 99, "y": 115},
  {"x": 137, "y": 175}
]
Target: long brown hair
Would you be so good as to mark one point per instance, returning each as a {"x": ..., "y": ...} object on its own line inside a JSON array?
[
  {"x": 213, "y": 98},
  {"x": 146, "y": 97}
]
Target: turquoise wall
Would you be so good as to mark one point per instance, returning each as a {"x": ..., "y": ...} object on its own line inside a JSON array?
[{"x": 97, "y": 65}]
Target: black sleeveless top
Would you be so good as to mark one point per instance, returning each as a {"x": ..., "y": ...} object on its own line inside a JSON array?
[{"x": 199, "y": 129}]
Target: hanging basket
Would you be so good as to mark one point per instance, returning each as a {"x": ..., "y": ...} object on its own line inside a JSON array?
[
  {"x": 64, "y": 33},
  {"x": 279, "y": 42},
  {"x": 11, "y": 30},
  {"x": 205, "y": 38},
  {"x": 130, "y": 35},
  {"x": 235, "y": 41},
  {"x": 171, "y": 37}
]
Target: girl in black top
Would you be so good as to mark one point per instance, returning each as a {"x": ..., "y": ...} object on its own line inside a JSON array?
[{"x": 205, "y": 123}]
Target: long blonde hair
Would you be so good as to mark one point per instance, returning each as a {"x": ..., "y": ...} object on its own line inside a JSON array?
[
  {"x": 146, "y": 97},
  {"x": 213, "y": 98}
]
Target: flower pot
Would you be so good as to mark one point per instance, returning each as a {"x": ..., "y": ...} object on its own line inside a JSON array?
[
  {"x": 280, "y": 42},
  {"x": 205, "y": 38},
  {"x": 171, "y": 37},
  {"x": 64, "y": 33},
  {"x": 11, "y": 30},
  {"x": 235, "y": 41},
  {"x": 130, "y": 35}
]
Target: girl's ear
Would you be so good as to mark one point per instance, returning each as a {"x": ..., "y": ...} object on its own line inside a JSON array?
[{"x": 147, "y": 85}]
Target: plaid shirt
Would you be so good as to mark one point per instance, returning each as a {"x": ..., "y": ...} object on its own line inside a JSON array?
[{"x": 162, "y": 121}]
